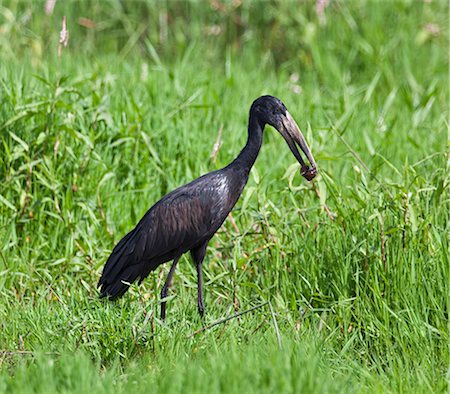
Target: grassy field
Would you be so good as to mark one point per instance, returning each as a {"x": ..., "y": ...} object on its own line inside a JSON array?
[{"x": 353, "y": 268}]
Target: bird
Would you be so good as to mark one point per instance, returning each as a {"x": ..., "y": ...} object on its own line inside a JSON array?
[{"x": 188, "y": 217}]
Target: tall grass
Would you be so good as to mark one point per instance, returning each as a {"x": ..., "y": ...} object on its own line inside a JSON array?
[{"x": 355, "y": 265}]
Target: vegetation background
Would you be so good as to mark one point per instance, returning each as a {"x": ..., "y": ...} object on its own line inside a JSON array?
[{"x": 352, "y": 269}]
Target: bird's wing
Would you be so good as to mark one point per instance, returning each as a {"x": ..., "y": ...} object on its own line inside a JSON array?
[{"x": 175, "y": 224}]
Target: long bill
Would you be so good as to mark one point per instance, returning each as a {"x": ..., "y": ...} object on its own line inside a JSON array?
[{"x": 293, "y": 136}]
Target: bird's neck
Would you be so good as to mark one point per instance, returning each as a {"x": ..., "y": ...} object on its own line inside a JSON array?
[{"x": 249, "y": 153}]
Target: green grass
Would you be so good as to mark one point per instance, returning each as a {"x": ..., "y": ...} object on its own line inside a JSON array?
[{"x": 355, "y": 265}]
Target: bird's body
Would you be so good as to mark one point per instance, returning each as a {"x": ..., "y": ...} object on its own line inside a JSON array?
[
  {"x": 183, "y": 220},
  {"x": 165, "y": 232}
]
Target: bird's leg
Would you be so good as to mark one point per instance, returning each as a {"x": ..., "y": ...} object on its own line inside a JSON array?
[
  {"x": 165, "y": 289},
  {"x": 198, "y": 254},
  {"x": 200, "y": 301}
]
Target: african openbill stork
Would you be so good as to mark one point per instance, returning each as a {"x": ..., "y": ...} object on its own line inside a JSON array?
[{"x": 188, "y": 217}]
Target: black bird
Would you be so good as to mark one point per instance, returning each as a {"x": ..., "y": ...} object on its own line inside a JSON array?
[{"x": 188, "y": 217}]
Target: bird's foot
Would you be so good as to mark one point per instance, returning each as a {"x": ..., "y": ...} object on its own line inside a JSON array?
[
  {"x": 163, "y": 312},
  {"x": 201, "y": 311}
]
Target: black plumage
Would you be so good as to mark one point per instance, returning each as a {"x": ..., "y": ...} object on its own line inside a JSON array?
[{"x": 188, "y": 217}]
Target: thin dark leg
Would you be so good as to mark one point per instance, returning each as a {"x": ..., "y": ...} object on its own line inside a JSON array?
[
  {"x": 198, "y": 255},
  {"x": 200, "y": 301},
  {"x": 165, "y": 289}
]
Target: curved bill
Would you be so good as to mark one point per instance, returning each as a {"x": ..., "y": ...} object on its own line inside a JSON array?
[{"x": 293, "y": 136}]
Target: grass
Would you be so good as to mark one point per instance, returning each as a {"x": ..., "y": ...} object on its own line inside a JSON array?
[{"x": 355, "y": 265}]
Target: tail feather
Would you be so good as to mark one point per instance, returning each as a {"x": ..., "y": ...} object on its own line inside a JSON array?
[
  {"x": 116, "y": 254},
  {"x": 119, "y": 286},
  {"x": 123, "y": 266}
]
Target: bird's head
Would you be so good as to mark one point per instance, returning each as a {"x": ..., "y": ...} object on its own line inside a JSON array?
[{"x": 272, "y": 111}]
